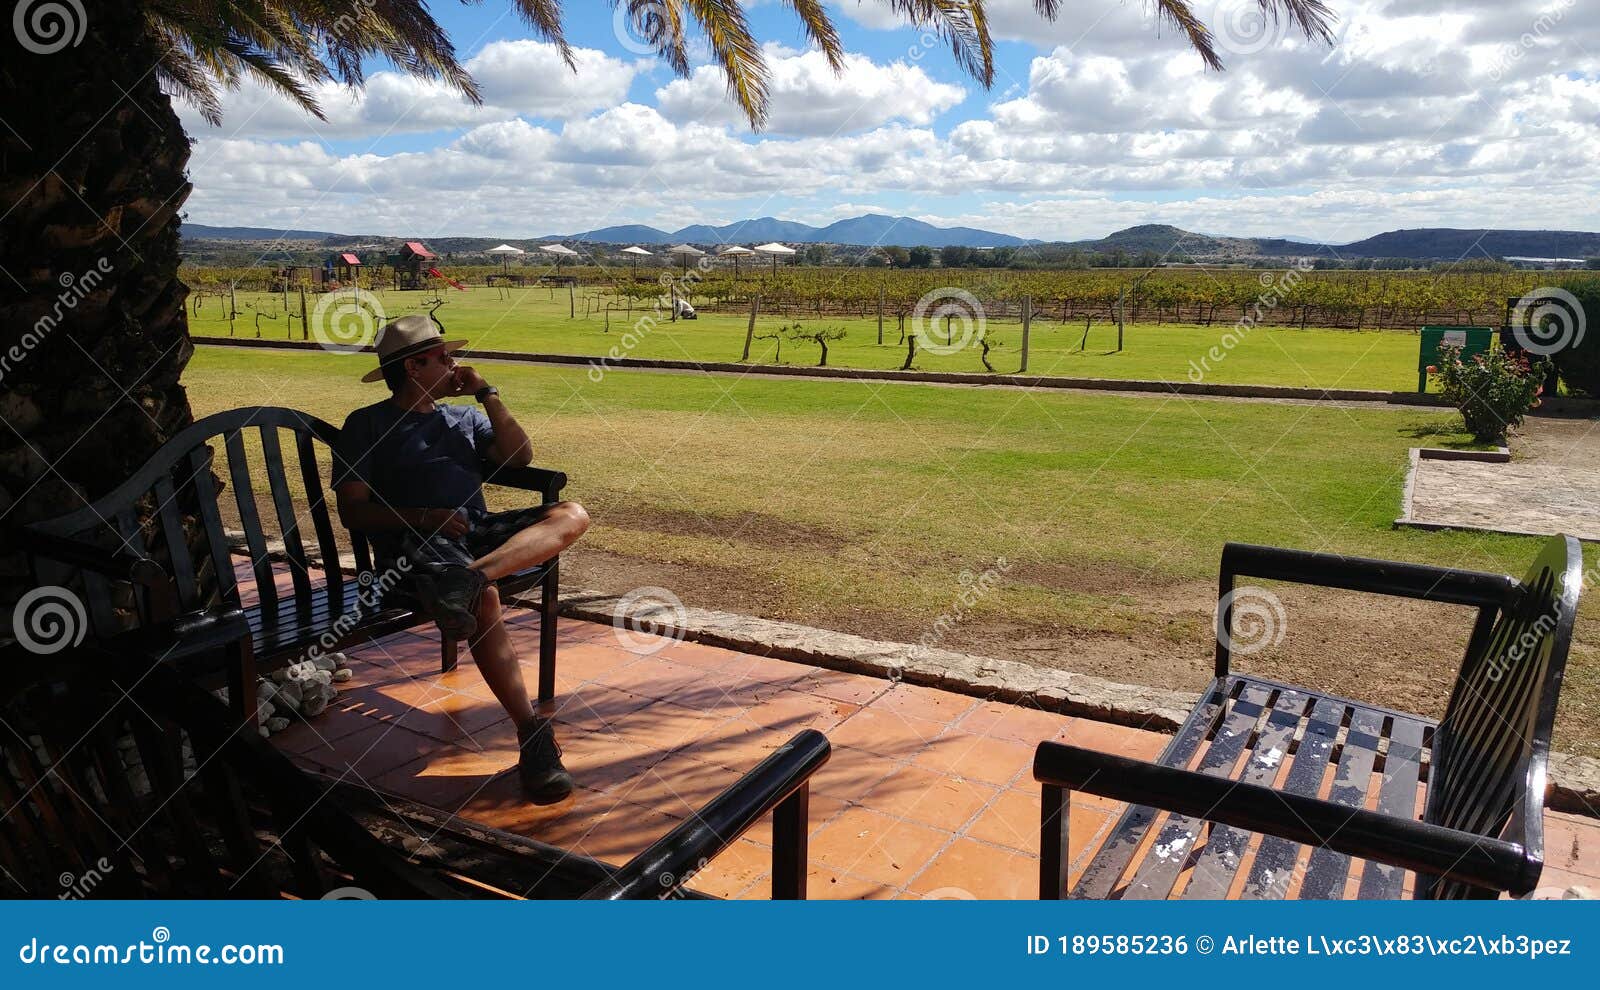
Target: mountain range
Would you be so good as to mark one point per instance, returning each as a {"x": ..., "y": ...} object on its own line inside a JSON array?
[
  {"x": 1168, "y": 242},
  {"x": 869, "y": 229}
]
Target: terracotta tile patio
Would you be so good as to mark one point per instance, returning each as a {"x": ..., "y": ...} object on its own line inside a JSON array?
[{"x": 927, "y": 794}]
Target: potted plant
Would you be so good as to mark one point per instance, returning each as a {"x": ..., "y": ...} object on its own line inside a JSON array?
[{"x": 1494, "y": 391}]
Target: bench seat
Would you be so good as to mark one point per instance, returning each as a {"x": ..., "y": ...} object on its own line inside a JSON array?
[
  {"x": 1273, "y": 790},
  {"x": 1267, "y": 733}
]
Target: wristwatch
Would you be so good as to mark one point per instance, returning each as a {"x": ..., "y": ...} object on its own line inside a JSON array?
[{"x": 482, "y": 394}]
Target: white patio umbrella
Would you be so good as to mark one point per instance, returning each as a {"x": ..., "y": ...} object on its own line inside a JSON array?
[
  {"x": 559, "y": 250},
  {"x": 735, "y": 252},
  {"x": 776, "y": 250},
  {"x": 505, "y": 251},
  {"x": 686, "y": 251},
  {"x": 637, "y": 253}
]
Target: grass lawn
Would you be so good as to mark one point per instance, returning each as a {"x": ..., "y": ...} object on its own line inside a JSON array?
[
  {"x": 867, "y": 507},
  {"x": 536, "y": 319}
]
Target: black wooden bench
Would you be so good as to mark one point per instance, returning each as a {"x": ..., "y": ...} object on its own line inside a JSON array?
[
  {"x": 1254, "y": 755},
  {"x": 202, "y": 806},
  {"x": 168, "y": 588}
]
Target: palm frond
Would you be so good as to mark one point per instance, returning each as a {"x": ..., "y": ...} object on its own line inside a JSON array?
[
  {"x": 292, "y": 45},
  {"x": 544, "y": 16},
  {"x": 962, "y": 24},
  {"x": 1311, "y": 17},
  {"x": 1177, "y": 14},
  {"x": 819, "y": 28},
  {"x": 659, "y": 23},
  {"x": 736, "y": 50}
]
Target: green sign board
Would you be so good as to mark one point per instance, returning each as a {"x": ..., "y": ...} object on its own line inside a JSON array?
[{"x": 1471, "y": 340}]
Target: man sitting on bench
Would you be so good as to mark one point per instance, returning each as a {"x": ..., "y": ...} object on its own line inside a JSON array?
[{"x": 407, "y": 472}]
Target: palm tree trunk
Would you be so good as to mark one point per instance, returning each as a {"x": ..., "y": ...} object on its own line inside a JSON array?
[{"x": 93, "y": 331}]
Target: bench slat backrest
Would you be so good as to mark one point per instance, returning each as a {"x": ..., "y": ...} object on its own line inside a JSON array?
[
  {"x": 288, "y": 522},
  {"x": 177, "y": 494},
  {"x": 1491, "y": 748}
]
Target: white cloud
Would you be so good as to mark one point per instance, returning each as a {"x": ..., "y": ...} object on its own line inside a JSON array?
[
  {"x": 515, "y": 78},
  {"x": 1485, "y": 114},
  {"x": 808, "y": 98}
]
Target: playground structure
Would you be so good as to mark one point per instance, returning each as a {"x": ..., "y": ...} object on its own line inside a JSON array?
[
  {"x": 341, "y": 268},
  {"x": 413, "y": 265},
  {"x": 441, "y": 276}
]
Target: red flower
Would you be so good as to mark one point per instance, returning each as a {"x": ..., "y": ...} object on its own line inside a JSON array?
[{"x": 1433, "y": 369}]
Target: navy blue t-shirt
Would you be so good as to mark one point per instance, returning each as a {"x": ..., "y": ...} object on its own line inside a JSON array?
[{"x": 416, "y": 460}]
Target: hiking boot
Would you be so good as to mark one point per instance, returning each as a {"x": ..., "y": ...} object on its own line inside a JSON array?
[
  {"x": 544, "y": 779},
  {"x": 450, "y": 595}
]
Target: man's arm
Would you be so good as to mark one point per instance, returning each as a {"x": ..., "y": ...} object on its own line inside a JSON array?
[
  {"x": 510, "y": 447},
  {"x": 358, "y": 510}
]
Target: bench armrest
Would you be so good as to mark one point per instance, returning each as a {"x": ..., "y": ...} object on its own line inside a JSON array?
[
  {"x": 120, "y": 565},
  {"x": 1478, "y": 860},
  {"x": 529, "y": 479},
  {"x": 779, "y": 784}
]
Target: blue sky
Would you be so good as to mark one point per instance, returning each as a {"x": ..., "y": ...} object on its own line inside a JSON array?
[{"x": 1470, "y": 114}]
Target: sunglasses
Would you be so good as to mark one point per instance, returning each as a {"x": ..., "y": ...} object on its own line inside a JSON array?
[{"x": 441, "y": 356}]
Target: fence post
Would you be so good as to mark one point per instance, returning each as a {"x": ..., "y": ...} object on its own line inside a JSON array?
[
  {"x": 1122, "y": 294},
  {"x": 750, "y": 331},
  {"x": 880, "y": 316},
  {"x": 1027, "y": 324},
  {"x": 572, "y": 304},
  {"x": 305, "y": 328}
]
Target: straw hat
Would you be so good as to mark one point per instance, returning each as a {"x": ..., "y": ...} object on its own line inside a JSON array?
[{"x": 406, "y": 337}]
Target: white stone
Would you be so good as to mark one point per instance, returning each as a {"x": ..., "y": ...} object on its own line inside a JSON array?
[
  {"x": 343, "y": 674},
  {"x": 324, "y": 662},
  {"x": 277, "y": 724},
  {"x": 289, "y": 695}
]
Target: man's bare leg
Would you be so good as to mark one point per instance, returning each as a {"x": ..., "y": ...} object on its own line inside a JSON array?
[
  {"x": 546, "y": 538},
  {"x": 544, "y": 779},
  {"x": 497, "y": 660}
]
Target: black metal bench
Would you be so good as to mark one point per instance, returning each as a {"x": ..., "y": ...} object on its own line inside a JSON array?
[
  {"x": 1254, "y": 755},
  {"x": 167, "y": 589},
  {"x": 202, "y": 806}
]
